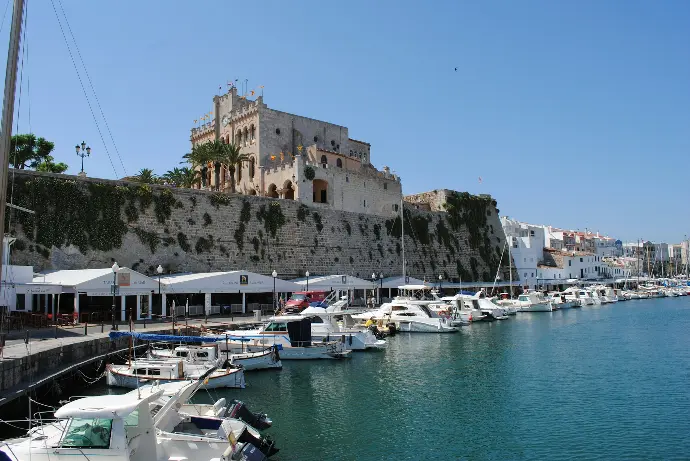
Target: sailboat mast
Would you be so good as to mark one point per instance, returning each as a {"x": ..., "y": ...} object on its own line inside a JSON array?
[
  {"x": 8, "y": 107},
  {"x": 402, "y": 233},
  {"x": 510, "y": 268}
]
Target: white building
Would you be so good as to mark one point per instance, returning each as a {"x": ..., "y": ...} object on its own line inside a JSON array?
[
  {"x": 568, "y": 267},
  {"x": 526, "y": 247}
]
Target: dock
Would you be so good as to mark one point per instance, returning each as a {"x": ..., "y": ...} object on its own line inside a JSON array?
[{"x": 26, "y": 367}]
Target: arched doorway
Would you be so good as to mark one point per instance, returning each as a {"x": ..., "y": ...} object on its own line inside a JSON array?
[
  {"x": 320, "y": 194},
  {"x": 288, "y": 190},
  {"x": 272, "y": 191}
]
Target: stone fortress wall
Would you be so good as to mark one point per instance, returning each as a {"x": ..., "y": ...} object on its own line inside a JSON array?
[{"x": 89, "y": 223}]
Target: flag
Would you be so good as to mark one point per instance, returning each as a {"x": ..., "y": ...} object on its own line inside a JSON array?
[
  {"x": 195, "y": 122},
  {"x": 229, "y": 84},
  {"x": 273, "y": 157},
  {"x": 480, "y": 180},
  {"x": 252, "y": 92},
  {"x": 261, "y": 86},
  {"x": 220, "y": 87}
]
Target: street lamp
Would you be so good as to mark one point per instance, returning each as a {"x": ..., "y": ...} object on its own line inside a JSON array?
[
  {"x": 380, "y": 289},
  {"x": 440, "y": 284},
  {"x": 274, "y": 274},
  {"x": 159, "y": 269},
  {"x": 115, "y": 268},
  {"x": 373, "y": 282},
  {"x": 307, "y": 274},
  {"x": 83, "y": 151}
]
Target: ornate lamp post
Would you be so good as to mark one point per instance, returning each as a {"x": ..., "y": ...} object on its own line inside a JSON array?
[
  {"x": 381, "y": 288},
  {"x": 307, "y": 274},
  {"x": 83, "y": 151},
  {"x": 274, "y": 274},
  {"x": 159, "y": 270},
  {"x": 440, "y": 284},
  {"x": 115, "y": 268},
  {"x": 373, "y": 284}
]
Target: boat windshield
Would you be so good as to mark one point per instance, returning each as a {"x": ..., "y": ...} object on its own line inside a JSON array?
[
  {"x": 87, "y": 433},
  {"x": 275, "y": 326}
]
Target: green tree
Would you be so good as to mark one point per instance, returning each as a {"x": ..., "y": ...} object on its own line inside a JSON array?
[
  {"x": 145, "y": 175},
  {"x": 48, "y": 165},
  {"x": 26, "y": 150}
]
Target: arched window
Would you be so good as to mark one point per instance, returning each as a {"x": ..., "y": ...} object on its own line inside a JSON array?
[
  {"x": 252, "y": 134},
  {"x": 252, "y": 167},
  {"x": 246, "y": 136},
  {"x": 339, "y": 163},
  {"x": 324, "y": 161},
  {"x": 238, "y": 138}
]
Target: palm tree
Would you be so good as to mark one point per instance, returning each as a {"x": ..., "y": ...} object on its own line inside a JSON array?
[
  {"x": 145, "y": 175},
  {"x": 230, "y": 156},
  {"x": 200, "y": 156},
  {"x": 183, "y": 177},
  {"x": 28, "y": 150}
]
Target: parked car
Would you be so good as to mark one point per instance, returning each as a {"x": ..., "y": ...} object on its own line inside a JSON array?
[{"x": 300, "y": 300}]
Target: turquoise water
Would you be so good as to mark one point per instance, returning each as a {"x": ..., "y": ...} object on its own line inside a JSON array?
[{"x": 607, "y": 382}]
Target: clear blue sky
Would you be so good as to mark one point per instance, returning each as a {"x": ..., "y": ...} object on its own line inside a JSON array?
[{"x": 574, "y": 113}]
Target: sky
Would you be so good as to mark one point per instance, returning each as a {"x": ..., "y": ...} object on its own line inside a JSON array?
[{"x": 573, "y": 113}]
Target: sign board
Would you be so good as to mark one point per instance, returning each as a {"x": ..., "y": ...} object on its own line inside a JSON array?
[
  {"x": 123, "y": 279},
  {"x": 344, "y": 279},
  {"x": 244, "y": 280},
  {"x": 114, "y": 290}
]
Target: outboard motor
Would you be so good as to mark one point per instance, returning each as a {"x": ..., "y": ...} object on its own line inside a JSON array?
[
  {"x": 238, "y": 410},
  {"x": 248, "y": 453}
]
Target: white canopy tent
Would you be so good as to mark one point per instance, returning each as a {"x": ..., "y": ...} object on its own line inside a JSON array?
[
  {"x": 99, "y": 282},
  {"x": 225, "y": 282},
  {"x": 335, "y": 282},
  {"x": 397, "y": 281}
]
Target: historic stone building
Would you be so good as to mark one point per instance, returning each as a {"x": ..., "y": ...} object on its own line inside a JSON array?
[{"x": 296, "y": 158}]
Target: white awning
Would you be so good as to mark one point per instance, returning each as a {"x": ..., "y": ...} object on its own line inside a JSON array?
[
  {"x": 335, "y": 282},
  {"x": 98, "y": 282},
  {"x": 397, "y": 281},
  {"x": 226, "y": 282}
]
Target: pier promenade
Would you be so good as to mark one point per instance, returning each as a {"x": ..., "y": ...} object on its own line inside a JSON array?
[{"x": 54, "y": 352}]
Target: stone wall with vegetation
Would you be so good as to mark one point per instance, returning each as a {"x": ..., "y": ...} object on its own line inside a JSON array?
[{"x": 89, "y": 223}]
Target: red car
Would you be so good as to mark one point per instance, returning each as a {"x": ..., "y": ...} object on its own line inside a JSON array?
[{"x": 300, "y": 300}]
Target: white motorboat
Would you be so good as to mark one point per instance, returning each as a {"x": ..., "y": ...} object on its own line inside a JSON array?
[
  {"x": 577, "y": 295},
  {"x": 409, "y": 317},
  {"x": 479, "y": 302},
  {"x": 325, "y": 327},
  {"x": 132, "y": 427},
  {"x": 291, "y": 333},
  {"x": 139, "y": 372},
  {"x": 560, "y": 301},
  {"x": 208, "y": 354},
  {"x": 530, "y": 301}
]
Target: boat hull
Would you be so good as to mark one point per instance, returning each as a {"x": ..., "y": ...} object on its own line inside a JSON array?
[
  {"x": 257, "y": 360},
  {"x": 423, "y": 327},
  {"x": 232, "y": 378}
]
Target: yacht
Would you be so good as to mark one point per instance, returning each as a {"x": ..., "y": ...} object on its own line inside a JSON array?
[
  {"x": 140, "y": 371},
  {"x": 324, "y": 327},
  {"x": 560, "y": 301},
  {"x": 138, "y": 426},
  {"x": 409, "y": 317},
  {"x": 488, "y": 308},
  {"x": 578, "y": 295},
  {"x": 208, "y": 354},
  {"x": 292, "y": 334},
  {"x": 530, "y": 301}
]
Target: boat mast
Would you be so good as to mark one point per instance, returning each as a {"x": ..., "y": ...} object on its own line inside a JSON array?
[
  {"x": 8, "y": 107},
  {"x": 402, "y": 233},
  {"x": 510, "y": 268}
]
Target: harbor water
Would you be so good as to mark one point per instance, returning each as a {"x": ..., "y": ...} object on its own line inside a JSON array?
[{"x": 604, "y": 382}]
